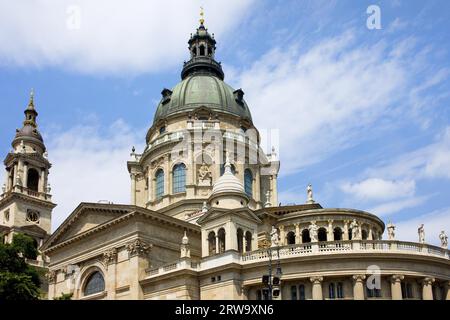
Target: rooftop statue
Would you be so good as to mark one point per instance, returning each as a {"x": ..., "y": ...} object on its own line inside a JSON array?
[
  {"x": 444, "y": 239},
  {"x": 421, "y": 232}
]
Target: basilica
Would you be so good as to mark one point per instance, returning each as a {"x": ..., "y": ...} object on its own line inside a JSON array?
[{"x": 204, "y": 220}]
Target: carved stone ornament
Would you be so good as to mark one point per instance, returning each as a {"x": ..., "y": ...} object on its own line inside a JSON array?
[
  {"x": 51, "y": 276},
  {"x": 109, "y": 256},
  {"x": 138, "y": 247}
]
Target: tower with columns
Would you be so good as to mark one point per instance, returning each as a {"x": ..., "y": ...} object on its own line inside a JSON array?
[{"x": 25, "y": 201}]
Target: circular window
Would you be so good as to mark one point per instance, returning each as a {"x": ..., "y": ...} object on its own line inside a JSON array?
[{"x": 33, "y": 216}]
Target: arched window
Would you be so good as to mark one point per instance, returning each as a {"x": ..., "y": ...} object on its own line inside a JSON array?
[
  {"x": 240, "y": 238},
  {"x": 211, "y": 243},
  {"x": 179, "y": 178},
  {"x": 202, "y": 50},
  {"x": 293, "y": 292},
  {"x": 301, "y": 292},
  {"x": 364, "y": 235},
  {"x": 32, "y": 179},
  {"x": 221, "y": 236},
  {"x": 305, "y": 236},
  {"x": 322, "y": 234},
  {"x": 248, "y": 182},
  {"x": 350, "y": 233},
  {"x": 290, "y": 237},
  {"x": 94, "y": 284},
  {"x": 339, "y": 290},
  {"x": 194, "y": 51},
  {"x": 337, "y": 233},
  {"x": 331, "y": 291},
  {"x": 159, "y": 189},
  {"x": 248, "y": 241}
]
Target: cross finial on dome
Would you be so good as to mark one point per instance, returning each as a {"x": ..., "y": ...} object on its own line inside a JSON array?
[{"x": 202, "y": 13}]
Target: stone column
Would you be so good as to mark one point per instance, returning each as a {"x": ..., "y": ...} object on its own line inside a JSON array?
[
  {"x": 243, "y": 242},
  {"x": 317, "y": 287},
  {"x": 8, "y": 179},
  {"x": 427, "y": 288},
  {"x": 370, "y": 235},
  {"x": 257, "y": 193},
  {"x": 167, "y": 176},
  {"x": 358, "y": 286},
  {"x": 150, "y": 186},
  {"x": 110, "y": 262},
  {"x": 345, "y": 235},
  {"x": 282, "y": 236},
  {"x": 133, "y": 188},
  {"x": 138, "y": 261},
  {"x": 447, "y": 290},
  {"x": 25, "y": 175},
  {"x": 41, "y": 185},
  {"x": 217, "y": 243},
  {"x": 396, "y": 287},
  {"x": 274, "y": 192},
  {"x": 330, "y": 234},
  {"x": 298, "y": 236}
]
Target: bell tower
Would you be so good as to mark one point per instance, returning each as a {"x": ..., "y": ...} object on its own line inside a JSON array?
[{"x": 25, "y": 200}]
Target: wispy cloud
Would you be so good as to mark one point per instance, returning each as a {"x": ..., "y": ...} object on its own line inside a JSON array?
[
  {"x": 327, "y": 98},
  {"x": 107, "y": 36},
  {"x": 90, "y": 165}
]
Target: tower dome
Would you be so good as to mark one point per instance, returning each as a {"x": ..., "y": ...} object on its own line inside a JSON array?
[{"x": 202, "y": 84}]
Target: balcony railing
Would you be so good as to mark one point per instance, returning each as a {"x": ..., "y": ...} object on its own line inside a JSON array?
[
  {"x": 306, "y": 249},
  {"x": 32, "y": 193}
]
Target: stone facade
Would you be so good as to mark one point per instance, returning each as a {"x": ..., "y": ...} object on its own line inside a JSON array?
[{"x": 203, "y": 222}]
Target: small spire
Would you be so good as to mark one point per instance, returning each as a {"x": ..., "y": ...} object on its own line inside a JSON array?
[
  {"x": 31, "y": 103},
  {"x": 202, "y": 13},
  {"x": 227, "y": 164}
]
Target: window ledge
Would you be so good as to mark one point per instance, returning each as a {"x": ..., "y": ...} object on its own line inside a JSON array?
[{"x": 95, "y": 296}]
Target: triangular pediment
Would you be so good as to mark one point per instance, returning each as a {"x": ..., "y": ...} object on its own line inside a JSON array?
[{"x": 85, "y": 217}]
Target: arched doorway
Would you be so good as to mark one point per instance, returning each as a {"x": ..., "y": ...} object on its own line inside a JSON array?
[
  {"x": 305, "y": 236},
  {"x": 221, "y": 238},
  {"x": 337, "y": 234},
  {"x": 211, "y": 243},
  {"x": 322, "y": 234},
  {"x": 248, "y": 241},
  {"x": 33, "y": 179},
  {"x": 290, "y": 237},
  {"x": 240, "y": 236}
]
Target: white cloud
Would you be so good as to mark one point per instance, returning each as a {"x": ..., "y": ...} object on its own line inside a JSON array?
[
  {"x": 434, "y": 222},
  {"x": 391, "y": 207},
  {"x": 89, "y": 164},
  {"x": 330, "y": 96},
  {"x": 379, "y": 189},
  {"x": 432, "y": 161},
  {"x": 113, "y": 35}
]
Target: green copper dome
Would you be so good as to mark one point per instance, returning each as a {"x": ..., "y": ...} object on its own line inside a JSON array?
[
  {"x": 202, "y": 84},
  {"x": 199, "y": 90}
]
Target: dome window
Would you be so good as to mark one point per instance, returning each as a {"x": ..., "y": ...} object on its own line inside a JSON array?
[
  {"x": 162, "y": 129},
  {"x": 239, "y": 96},
  {"x": 166, "y": 95}
]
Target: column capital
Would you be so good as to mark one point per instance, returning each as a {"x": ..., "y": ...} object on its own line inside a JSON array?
[
  {"x": 397, "y": 277},
  {"x": 359, "y": 277},
  {"x": 427, "y": 281},
  {"x": 330, "y": 221},
  {"x": 316, "y": 279},
  {"x": 281, "y": 227},
  {"x": 138, "y": 248},
  {"x": 109, "y": 257}
]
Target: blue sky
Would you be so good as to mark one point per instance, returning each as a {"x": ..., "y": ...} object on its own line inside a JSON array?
[{"x": 362, "y": 114}]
